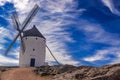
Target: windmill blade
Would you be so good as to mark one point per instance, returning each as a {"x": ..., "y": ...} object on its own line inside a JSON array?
[
  {"x": 8, "y": 49},
  {"x": 27, "y": 20},
  {"x": 14, "y": 24},
  {"x": 17, "y": 23},
  {"x": 30, "y": 16},
  {"x": 6, "y": 52}
]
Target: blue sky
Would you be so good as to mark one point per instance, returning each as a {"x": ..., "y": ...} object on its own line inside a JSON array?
[{"x": 78, "y": 32}]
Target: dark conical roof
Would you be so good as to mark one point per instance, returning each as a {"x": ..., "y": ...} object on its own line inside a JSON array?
[{"x": 32, "y": 32}]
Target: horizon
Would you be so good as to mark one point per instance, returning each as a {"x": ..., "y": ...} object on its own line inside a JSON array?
[{"x": 78, "y": 32}]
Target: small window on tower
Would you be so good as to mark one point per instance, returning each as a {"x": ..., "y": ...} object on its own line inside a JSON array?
[{"x": 33, "y": 49}]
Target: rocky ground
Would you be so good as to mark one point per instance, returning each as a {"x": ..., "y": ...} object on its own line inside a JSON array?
[
  {"x": 69, "y": 72},
  {"x": 61, "y": 72}
]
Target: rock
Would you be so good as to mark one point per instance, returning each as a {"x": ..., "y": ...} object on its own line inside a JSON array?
[
  {"x": 79, "y": 76},
  {"x": 53, "y": 70},
  {"x": 69, "y": 72}
]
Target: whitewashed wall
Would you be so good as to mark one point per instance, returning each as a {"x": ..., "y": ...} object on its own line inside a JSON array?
[{"x": 39, "y": 53}]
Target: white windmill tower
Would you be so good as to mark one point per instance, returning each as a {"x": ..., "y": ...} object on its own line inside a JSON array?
[
  {"x": 33, "y": 43},
  {"x": 34, "y": 54}
]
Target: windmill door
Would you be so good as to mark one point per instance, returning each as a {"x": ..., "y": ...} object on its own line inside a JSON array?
[{"x": 32, "y": 62}]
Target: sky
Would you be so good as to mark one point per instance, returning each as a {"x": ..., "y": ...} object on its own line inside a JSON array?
[{"x": 78, "y": 32}]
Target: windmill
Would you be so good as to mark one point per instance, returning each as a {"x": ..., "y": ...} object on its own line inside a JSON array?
[{"x": 28, "y": 42}]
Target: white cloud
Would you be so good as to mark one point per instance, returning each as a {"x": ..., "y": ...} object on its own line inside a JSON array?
[
  {"x": 116, "y": 52},
  {"x": 4, "y": 33},
  {"x": 99, "y": 55},
  {"x": 6, "y": 61},
  {"x": 20, "y": 5},
  {"x": 110, "y": 5},
  {"x": 54, "y": 6},
  {"x": 95, "y": 33},
  {"x": 103, "y": 54}
]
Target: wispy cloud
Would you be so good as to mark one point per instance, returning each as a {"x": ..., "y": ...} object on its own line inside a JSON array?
[
  {"x": 100, "y": 55},
  {"x": 111, "y": 6},
  {"x": 96, "y": 34},
  {"x": 4, "y": 32},
  {"x": 5, "y": 61},
  {"x": 9, "y": 61},
  {"x": 104, "y": 54}
]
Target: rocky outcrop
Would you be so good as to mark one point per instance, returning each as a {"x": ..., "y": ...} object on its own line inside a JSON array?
[
  {"x": 54, "y": 70},
  {"x": 69, "y": 72}
]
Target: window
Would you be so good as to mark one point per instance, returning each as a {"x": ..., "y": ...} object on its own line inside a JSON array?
[{"x": 33, "y": 49}]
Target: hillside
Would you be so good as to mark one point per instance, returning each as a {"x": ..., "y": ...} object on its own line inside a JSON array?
[{"x": 66, "y": 72}]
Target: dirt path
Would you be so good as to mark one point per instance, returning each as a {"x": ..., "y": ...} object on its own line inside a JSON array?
[{"x": 20, "y": 74}]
